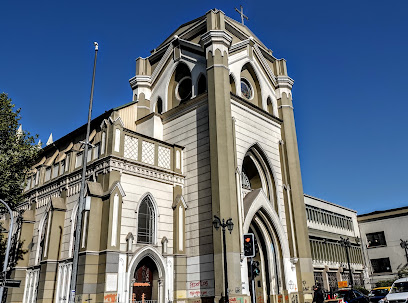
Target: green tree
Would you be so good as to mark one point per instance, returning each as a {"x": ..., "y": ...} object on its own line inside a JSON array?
[
  {"x": 17, "y": 153},
  {"x": 17, "y": 156}
]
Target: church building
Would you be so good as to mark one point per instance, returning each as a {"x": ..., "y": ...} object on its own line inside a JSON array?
[{"x": 210, "y": 131}]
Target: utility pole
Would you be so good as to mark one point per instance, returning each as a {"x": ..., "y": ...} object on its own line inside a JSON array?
[{"x": 78, "y": 223}]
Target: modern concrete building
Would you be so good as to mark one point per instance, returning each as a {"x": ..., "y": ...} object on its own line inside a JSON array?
[
  {"x": 382, "y": 233},
  {"x": 210, "y": 132},
  {"x": 328, "y": 223}
]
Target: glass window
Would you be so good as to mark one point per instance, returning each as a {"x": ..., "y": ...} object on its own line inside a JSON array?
[
  {"x": 399, "y": 287},
  {"x": 89, "y": 156},
  {"x": 246, "y": 90},
  {"x": 146, "y": 219},
  {"x": 184, "y": 89},
  {"x": 78, "y": 161},
  {"x": 381, "y": 265},
  {"x": 47, "y": 174},
  {"x": 376, "y": 239},
  {"x": 55, "y": 170},
  {"x": 62, "y": 168},
  {"x": 96, "y": 151}
]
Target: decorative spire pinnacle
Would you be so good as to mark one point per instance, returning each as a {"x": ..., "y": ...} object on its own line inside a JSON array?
[{"x": 50, "y": 140}]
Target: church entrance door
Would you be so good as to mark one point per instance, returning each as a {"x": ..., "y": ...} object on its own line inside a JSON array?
[{"x": 145, "y": 282}]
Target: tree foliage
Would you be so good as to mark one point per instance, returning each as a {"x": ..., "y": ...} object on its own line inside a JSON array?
[
  {"x": 384, "y": 283},
  {"x": 17, "y": 153}
]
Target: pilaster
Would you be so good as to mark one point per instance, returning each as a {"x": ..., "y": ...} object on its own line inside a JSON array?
[
  {"x": 299, "y": 244},
  {"x": 216, "y": 43}
]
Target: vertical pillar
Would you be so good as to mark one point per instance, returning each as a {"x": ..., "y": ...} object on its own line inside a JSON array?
[
  {"x": 216, "y": 43},
  {"x": 304, "y": 266}
]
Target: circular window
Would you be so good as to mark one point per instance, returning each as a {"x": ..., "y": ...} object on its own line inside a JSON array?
[
  {"x": 183, "y": 89},
  {"x": 246, "y": 90}
]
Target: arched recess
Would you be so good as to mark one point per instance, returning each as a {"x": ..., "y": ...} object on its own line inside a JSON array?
[
  {"x": 248, "y": 77},
  {"x": 150, "y": 253},
  {"x": 201, "y": 84},
  {"x": 179, "y": 222},
  {"x": 147, "y": 220},
  {"x": 232, "y": 84},
  {"x": 180, "y": 88},
  {"x": 43, "y": 234},
  {"x": 158, "y": 108},
  {"x": 72, "y": 231},
  {"x": 269, "y": 105},
  {"x": 258, "y": 173},
  {"x": 257, "y": 210}
]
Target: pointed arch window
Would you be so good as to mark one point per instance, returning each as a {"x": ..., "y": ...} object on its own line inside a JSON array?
[{"x": 146, "y": 221}]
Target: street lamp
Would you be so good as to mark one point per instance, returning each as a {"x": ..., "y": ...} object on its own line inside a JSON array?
[
  {"x": 345, "y": 242},
  {"x": 217, "y": 224},
  {"x": 404, "y": 245},
  {"x": 82, "y": 190}
]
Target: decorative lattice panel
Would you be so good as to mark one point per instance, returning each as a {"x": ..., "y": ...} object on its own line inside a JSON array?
[
  {"x": 131, "y": 147},
  {"x": 318, "y": 278},
  {"x": 332, "y": 280},
  {"x": 148, "y": 152},
  {"x": 164, "y": 157}
]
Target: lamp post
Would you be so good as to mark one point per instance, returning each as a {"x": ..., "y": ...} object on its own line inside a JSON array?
[
  {"x": 81, "y": 191},
  {"x": 404, "y": 245},
  {"x": 345, "y": 242},
  {"x": 6, "y": 256},
  {"x": 217, "y": 224}
]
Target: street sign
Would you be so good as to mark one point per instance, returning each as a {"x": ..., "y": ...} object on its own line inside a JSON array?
[{"x": 11, "y": 283}]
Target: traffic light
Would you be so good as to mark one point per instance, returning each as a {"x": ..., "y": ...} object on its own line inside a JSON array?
[
  {"x": 255, "y": 269},
  {"x": 249, "y": 245}
]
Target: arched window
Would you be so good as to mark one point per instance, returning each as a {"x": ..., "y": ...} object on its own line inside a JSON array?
[
  {"x": 232, "y": 84},
  {"x": 146, "y": 221},
  {"x": 202, "y": 85},
  {"x": 159, "y": 106},
  {"x": 269, "y": 106}
]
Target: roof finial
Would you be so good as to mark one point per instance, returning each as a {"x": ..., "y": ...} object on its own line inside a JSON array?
[{"x": 242, "y": 14}]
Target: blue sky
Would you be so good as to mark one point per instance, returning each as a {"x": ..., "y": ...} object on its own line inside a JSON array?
[{"x": 349, "y": 60}]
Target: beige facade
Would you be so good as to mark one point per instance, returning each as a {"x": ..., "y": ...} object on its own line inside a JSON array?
[
  {"x": 382, "y": 233},
  {"x": 210, "y": 132},
  {"x": 328, "y": 223}
]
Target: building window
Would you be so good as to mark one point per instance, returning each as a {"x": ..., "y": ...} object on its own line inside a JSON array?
[
  {"x": 67, "y": 162},
  {"x": 96, "y": 151},
  {"x": 62, "y": 167},
  {"x": 318, "y": 278},
  {"x": 89, "y": 156},
  {"x": 146, "y": 221},
  {"x": 246, "y": 90},
  {"x": 376, "y": 239},
  {"x": 183, "y": 89},
  {"x": 381, "y": 265},
  {"x": 47, "y": 174},
  {"x": 55, "y": 170},
  {"x": 78, "y": 160}
]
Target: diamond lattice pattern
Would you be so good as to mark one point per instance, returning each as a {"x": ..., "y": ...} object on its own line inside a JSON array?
[
  {"x": 131, "y": 147},
  {"x": 148, "y": 152},
  {"x": 164, "y": 157}
]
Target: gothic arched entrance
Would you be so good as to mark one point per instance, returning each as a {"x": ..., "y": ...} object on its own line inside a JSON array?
[{"x": 145, "y": 282}]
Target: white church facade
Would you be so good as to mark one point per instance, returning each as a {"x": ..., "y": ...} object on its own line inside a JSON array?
[{"x": 210, "y": 132}]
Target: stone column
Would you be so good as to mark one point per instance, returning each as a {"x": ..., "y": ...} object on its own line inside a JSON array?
[
  {"x": 216, "y": 43},
  {"x": 304, "y": 266}
]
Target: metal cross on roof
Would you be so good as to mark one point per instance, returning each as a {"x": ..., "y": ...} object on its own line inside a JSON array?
[{"x": 241, "y": 12}]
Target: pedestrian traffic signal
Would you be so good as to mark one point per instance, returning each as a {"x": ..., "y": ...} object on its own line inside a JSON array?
[
  {"x": 249, "y": 245},
  {"x": 255, "y": 269}
]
